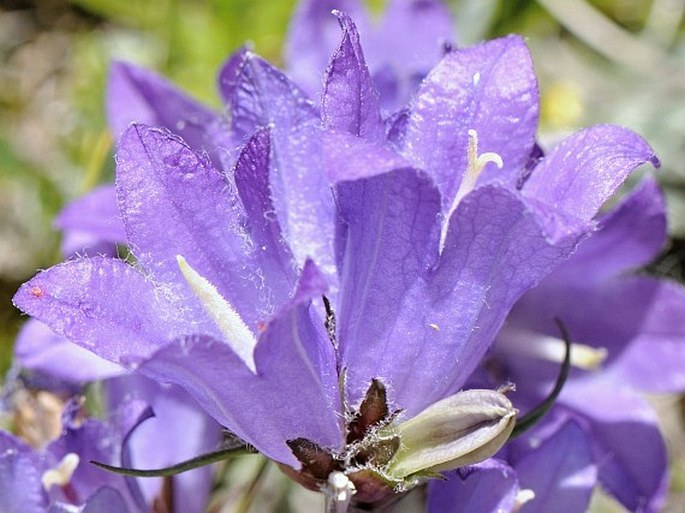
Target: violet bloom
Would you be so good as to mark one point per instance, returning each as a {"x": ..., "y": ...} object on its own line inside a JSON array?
[
  {"x": 629, "y": 339},
  {"x": 59, "y": 477},
  {"x": 423, "y": 248},
  {"x": 175, "y": 421}
]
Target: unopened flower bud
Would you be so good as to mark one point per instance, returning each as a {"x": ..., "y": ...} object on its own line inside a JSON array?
[{"x": 462, "y": 429}]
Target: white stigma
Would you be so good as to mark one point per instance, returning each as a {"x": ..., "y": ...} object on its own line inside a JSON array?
[
  {"x": 553, "y": 349},
  {"x": 339, "y": 492},
  {"x": 475, "y": 164},
  {"x": 61, "y": 474},
  {"x": 231, "y": 325}
]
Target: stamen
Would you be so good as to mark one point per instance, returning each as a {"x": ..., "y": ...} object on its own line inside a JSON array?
[
  {"x": 62, "y": 473},
  {"x": 474, "y": 167},
  {"x": 522, "y": 497},
  {"x": 231, "y": 325},
  {"x": 553, "y": 349},
  {"x": 339, "y": 492}
]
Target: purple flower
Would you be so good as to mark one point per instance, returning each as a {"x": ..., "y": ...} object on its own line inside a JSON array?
[
  {"x": 176, "y": 420},
  {"x": 41, "y": 350},
  {"x": 91, "y": 224},
  {"x": 485, "y": 488},
  {"x": 178, "y": 423},
  {"x": 628, "y": 339},
  {"x": 59, "y": 478},
  {"x": 419, "y": 246}
]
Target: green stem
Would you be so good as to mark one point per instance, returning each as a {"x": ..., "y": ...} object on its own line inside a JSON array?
[
  {"x": 533, "y": 416},
  {"x": 199, "y": 461}
]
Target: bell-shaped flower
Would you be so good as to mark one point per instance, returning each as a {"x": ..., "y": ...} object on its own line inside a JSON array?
[
  {"x": 50, "y": 360},
  {"x": 60, "y": 478},
  {"x": 342, "y": 255},
  {"x": 627, "y": 340}
]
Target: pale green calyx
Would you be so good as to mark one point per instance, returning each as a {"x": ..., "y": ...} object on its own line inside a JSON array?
[
  {"x": 462, "y": 429},
  {"x": 229, "y": 322}
]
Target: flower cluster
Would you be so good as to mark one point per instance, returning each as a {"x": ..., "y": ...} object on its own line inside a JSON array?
[{"x": 347, "y": 277}]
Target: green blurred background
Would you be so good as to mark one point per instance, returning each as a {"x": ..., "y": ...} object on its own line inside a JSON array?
[{"x": 616, "y": 61}]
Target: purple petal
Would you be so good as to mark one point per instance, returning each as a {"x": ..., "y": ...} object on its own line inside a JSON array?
[
  {"x": 21, "y": 469},
  {"x": 495, "y": 250},
  {"x": 258, "y": 94},
  {"x": 633, "y": 317},
  {"x": 584, "y": 170},
  {"x": 78, "y": 243},
  {"x": 634, "y": 468},
  {"x": 399, "y": 61},
  {"x": 391, "y": 224},
  {"x": 105, "y": 500},
  {"x": 138, "y": 95},
  {"x": 95, "y": 440},
  {"x": 637, "y": 319},
  {"x": 40, "y": 349},
  {"x": 252, "y": 181},
  {"x": 302, "y": 195},
  {"x": 294, "y": 393},
  {"x": 174, "y": 203},
  {"x": 350, "y": 100},
  {"x": 630, "y": 236},
  {"x": 486, "y": 488},
  {"x": 654, "y": 359},
  {"x": 348, "y": 157},
  {"x": 178, "y": 422},
  {"x": 626, "y": 439},
  {"x": 312, "y": 37},
  {"x": 76, "y": 300},
  {"x": 95, "y": 217},
  {"x": 489, "y": 88},
  {"x": 427, "y": 21},
  {"x": 561, "y": 472}
]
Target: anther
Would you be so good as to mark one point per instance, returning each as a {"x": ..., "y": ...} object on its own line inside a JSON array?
[
  {"x": 62, "y": 473},
  {"x": 229, "y": 322},
  {"x": 552, "y": 349}
]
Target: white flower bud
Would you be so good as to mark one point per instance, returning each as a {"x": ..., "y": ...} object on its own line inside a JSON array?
[{"x": 460, "y": 430}]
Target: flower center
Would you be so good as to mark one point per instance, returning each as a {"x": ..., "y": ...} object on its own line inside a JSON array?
[
  {"x": 229, "y": 322},
  {"x": 475, "y": 164}
]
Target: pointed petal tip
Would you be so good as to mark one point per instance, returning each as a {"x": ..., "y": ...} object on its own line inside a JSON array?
[
  {"x": 142, "y": 133},
  {"x": 346, "y": 23},
  {"x": 30, "y": 293},
  {"x": 312, "y": 282}
]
